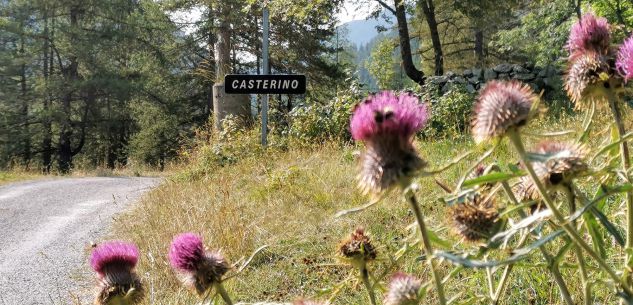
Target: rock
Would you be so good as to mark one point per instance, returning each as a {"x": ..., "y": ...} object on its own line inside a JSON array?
[
  {"x": 450, "y": 74},
  {"x": 518, "y": 69},
  {"x": 468, "y": 73},
  {"x": 503, "y": 68},
  {"x": 470, "y": 88},
  {"x": 460, "y": 80},
  {"x": 528, "y": 65},
  {"x": 490, "y": 74},
  {"x": 474, "y": 80},
  {"x": 504, "y": 76},
  {"x": 524, "y": 77},
  {"x": 447, "y": 87},
  {"x": 548, "y": 71},
  {"x": 438, "y": 80},
  {"x": 478, "y": 72},
  {"x": 550, "y": 82}
]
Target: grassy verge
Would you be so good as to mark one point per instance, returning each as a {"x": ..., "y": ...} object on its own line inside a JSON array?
[
  {"x": 13, "y": 176},
  {"x": 287, "y": 199}
]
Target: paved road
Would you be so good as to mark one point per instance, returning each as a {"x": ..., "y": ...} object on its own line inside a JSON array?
[{"x": 46, "y": 228}]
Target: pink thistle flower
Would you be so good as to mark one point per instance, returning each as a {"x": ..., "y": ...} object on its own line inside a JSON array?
[
  {"x": 114, "y": 255},
  {"x": 624, "y": 62},
  {"x": 198, "y": 269},
  {"x": 589, "y": 34},
  {"x": 186, "y": 252},
  {"x": 387, "y": 123},
  {"x": 114, "y": 263},
  {"x": 501, "y": 106},
  {"x": 404, "y": 289},
  {"x": 386, "y": 113}
]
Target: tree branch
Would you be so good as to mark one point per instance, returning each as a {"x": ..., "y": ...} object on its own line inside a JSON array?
[{"x": 385, "y": 5}]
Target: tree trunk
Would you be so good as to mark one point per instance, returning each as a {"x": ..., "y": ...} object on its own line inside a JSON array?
[
  {"x": 47, "y": 143},
  {"x": 479, "y": 48},
  {"x": 405, "y": 44},
  {"x": 429, "y": 13},
  {"x": 71, "y": 74},
  {"x": 211, "y": 65},
  {"x": 223, "y": 104},
  {"x": 24, "y": 108},
  {"x": 223, "y": 42}
]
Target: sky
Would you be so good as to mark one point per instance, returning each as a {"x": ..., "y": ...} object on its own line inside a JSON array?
[{"x": 349, "y": 13}]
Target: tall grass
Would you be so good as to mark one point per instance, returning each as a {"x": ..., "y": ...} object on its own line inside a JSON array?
[{"x": 287, "y": 199}]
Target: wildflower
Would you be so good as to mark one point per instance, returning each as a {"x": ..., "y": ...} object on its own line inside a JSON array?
[
  {"x": 357, "y": 249},
  {"x": 114, "y": 263},
  {"x": 624, "y": 62},
  {"x": 476, "y": 219},
  {"x": 403, "y": 290},
  {"x": 563, "y": 161},
  {"x": 587, "y": 78},
  {"x": 589, "y": 34},
  {"x": 199, "y": 269},
  {"x": 386, "y": 124},
  {"x": 501, "y": 106}
]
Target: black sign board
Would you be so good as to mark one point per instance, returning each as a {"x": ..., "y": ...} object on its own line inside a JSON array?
[{"x": 265, "y": 84}]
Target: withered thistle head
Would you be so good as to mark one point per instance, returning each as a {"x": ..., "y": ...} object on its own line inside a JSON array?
[
  {"x": 198, "y": 269},
  {"x": 386, "y": 124},
  {"x": 589, "y": 34},
  {"x": 114, "y": 263},
  {"x": 357, "y": 249},
  {"x": 475, "y": 220},
  {"x": 587, "y": 78},
  {"x": 501, "y": 106},
  {"x": 562, "y": 161},
  {"x": 404, "y": 289}
]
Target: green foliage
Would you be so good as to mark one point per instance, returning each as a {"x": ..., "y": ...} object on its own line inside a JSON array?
[
  {"x": 157, "y": 137},
  {"x": 381, "y": 64},
  {"x": 450, "y": 112},
  {"x": 320, "y": 123},
  {"x": 541, "y": 34}
]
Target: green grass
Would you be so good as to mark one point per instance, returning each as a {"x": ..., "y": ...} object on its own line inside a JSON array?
[
  {"x": 14, "y": 176},
  {"x": 286, "y": 199}
]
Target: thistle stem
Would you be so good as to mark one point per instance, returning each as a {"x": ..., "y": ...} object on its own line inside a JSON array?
[
  {"x": 515, "y": 138},
  {"x": 571, "y": 198},
  {"x": 364, "y": 274},
  {"x": 225, "y": 296},
  {"x": 626, "y": 164},
  {"x": 427, "y": 246},
  {"x": 558, "y": 278}
]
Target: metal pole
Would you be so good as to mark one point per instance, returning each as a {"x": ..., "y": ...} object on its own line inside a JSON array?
[{"x": 266, "y": 21}]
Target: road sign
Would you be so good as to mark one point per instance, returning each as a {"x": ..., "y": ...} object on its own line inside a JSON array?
[{"x": 265, "y": 84}]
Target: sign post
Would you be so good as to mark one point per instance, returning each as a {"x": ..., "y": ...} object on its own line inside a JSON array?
[
  {"x": 265, "y": 42},
  {"x": 265, "y": 83}
]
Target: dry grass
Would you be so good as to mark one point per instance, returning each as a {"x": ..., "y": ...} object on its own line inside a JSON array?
[
  {"x": 286, "y": 200},
  {"x": 13, "y": 176}
]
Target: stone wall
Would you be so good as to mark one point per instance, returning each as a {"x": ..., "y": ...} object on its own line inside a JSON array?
[{"x": 539, "y": 78}]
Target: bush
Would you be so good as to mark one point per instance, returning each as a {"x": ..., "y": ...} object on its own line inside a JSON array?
[{"x": 317, "y": 123}]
